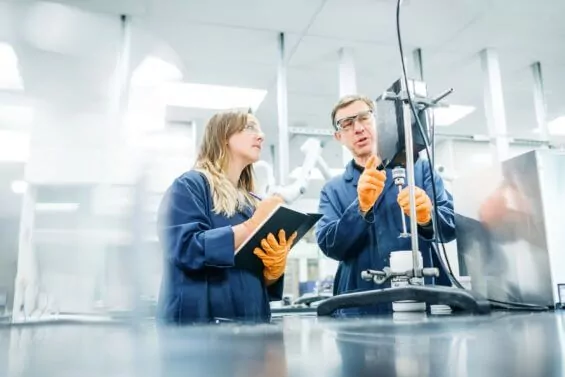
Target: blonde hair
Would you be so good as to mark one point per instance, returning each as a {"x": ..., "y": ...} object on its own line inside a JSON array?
[
  {"x": 348, "y": 100},
  {"x": 213, "y": 162}
]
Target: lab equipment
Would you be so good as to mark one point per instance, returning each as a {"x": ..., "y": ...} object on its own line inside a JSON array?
[
  {"x": 405, "y": 151},
  {"x": 391, "y": 119},
  {"x": 399, "y": 175},
  {"x": 510, "y": 228},
  {"x": 312, "y": 150}
]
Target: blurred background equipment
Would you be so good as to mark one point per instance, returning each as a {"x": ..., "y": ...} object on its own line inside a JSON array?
[{"x": 510, "y": 239}]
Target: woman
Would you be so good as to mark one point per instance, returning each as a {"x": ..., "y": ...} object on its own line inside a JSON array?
[{"x": 205, "y": 216}]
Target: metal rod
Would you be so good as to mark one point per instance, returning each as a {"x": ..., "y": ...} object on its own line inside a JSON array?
[
  {"x": 443, "y": 95},
  {"x": 417, "y": 63},
  {"x": 411, "y": 181},
  {"x": 282, "y": 112},
  {"x": 539, "y": 101},
  {"x": 403, "y": 217}
]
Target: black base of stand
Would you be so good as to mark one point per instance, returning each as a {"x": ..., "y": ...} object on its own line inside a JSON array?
[{"x": 458, "y": 299}]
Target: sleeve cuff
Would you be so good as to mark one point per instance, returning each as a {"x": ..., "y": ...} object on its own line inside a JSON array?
[
  {"x": 275, "y": 290},
  {"x": 354, "y": 210},
  {"x": 426, "y": 231},
  {"x": 219, "y": 247}
]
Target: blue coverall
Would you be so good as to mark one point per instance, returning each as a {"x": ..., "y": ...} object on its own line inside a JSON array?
[
  {"x": 200, "y": 282},
  {"x": 361, "y": 243}
]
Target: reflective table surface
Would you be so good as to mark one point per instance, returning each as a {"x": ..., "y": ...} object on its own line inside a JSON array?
[{"x": 500, "y": 344}]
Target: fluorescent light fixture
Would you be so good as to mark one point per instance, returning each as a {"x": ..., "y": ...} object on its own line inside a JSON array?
[
  {"x": 555, "y": 127},
  {"x": 315, "y": 175},
  {"x": 154, "y": 71},
  {"x": 19, "y": 187},
  {"x": 15, "y": 115},
  {"x": 14, "y": 146},
  {"x": 446, "y": 116},
  {"x": 10, "y": 77},
  {"x": 482, "y": 159},
  {"x": 213, "y": 97},
  {"x": 56, "y": 207}
]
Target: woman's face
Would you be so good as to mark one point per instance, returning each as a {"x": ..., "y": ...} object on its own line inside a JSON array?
[{"x": 245, "y": 146}]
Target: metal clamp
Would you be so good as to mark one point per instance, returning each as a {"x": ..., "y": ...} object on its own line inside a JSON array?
[{"x": 380, "y": 277}]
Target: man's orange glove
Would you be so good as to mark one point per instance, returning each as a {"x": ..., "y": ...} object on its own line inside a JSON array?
[
  {"x": 371, "y": 184},
  {"x": 273, "y": 253},
  {"x": 262, "y": 212},
  {"x": 423, "y": 205}
]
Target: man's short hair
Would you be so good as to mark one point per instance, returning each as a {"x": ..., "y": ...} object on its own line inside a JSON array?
[{"x": 348, "y": 100}]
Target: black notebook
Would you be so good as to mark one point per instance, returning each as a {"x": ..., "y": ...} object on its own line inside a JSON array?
[{"x": 281, "y": 218}]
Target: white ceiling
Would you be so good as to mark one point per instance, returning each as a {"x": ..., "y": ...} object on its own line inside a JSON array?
[
  {"x": 235, "y": 43},
  {"x": 67, "y": 54}
]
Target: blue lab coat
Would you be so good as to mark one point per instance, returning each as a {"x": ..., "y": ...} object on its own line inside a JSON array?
[
  {"x": 200, "y": 282},
  {"x": 361, "y": 243}
]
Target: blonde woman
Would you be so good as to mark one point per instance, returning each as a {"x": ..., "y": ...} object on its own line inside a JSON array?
[{"x": 205, "y": 216}]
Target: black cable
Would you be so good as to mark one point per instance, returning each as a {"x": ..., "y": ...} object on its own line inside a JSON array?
[{"x": 499, "y": 304}]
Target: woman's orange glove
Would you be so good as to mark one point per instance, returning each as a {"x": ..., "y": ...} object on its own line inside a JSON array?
[
  {"x": 423, "y": 205},
  {"x": 371, "y": 184},
  {"x": 273, "y": 253}
]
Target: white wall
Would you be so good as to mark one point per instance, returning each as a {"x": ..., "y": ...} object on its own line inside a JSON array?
[{"x": 461, "y": 157}]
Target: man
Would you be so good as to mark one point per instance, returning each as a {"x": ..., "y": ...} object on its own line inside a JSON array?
[{"x": 361, "y": 220}]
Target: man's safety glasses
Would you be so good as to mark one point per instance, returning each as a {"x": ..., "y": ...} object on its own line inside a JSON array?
[{"x": 347, "y": 124}]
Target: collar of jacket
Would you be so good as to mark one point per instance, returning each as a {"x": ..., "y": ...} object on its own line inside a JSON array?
[{"x": 351, "y": 173}]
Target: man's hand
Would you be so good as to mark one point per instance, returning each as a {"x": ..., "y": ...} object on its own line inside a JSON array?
[
  {"x": 371, "y": 184},
  {"x": 423, "y": 205},
  {"x": 273, "y": 253}
]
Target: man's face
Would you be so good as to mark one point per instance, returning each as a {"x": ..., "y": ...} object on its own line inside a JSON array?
[{"x": 356, "y": 129}]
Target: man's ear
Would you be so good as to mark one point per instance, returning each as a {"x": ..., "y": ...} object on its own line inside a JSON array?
[{"x": 337, "y": 136}]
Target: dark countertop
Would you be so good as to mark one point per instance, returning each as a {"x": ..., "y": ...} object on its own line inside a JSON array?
[{"x": 500, "y": 344}]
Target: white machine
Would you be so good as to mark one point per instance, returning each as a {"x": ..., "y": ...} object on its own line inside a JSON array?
[{"x": 312, "y": 149}]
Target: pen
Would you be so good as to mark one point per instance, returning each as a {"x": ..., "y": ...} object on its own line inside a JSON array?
[{"x": 255, "y": 196}]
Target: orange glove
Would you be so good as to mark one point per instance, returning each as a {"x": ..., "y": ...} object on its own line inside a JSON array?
[
  {"x": 423, "y": 205},
  {"x": 273, "y": 254},
  {"x": 371, "y": 184},
  {"x": 263, "y": 210}
]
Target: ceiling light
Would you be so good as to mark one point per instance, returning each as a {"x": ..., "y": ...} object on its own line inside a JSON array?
[
  {"x": 555, "y": 127},
  {"x": 15, "y": 115},
  {"x": 59, "y": 207},
  {"x": 446, "y": 116},
  {"x": 481, "y": 159},
  {"x": 154, "y": 71},
  {"x": 19, "y": 187},
  {"x": 14, "y": 146},
  {"x": 10, "y": 78},
  {"x": 213, "y": 97}
]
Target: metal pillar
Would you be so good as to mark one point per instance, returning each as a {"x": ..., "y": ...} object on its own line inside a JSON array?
[
  {"x": 347, "y": 75},
  {"x": 417, "y": 66},
  {"x": 411, "y": 184},
  {"x": 539, "y": 101},
  {"x": 122, "y": 74},
  {"x": 282, "y": 107},
  {"x": 138, "y": 229},
  {"x": 303, "y": 270},
  {"x": 347, "y": 85},
  {"x": 118, "y": 108},
  {"x": 494, "y": 105},
  {"x": 27, "y": 284}
]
